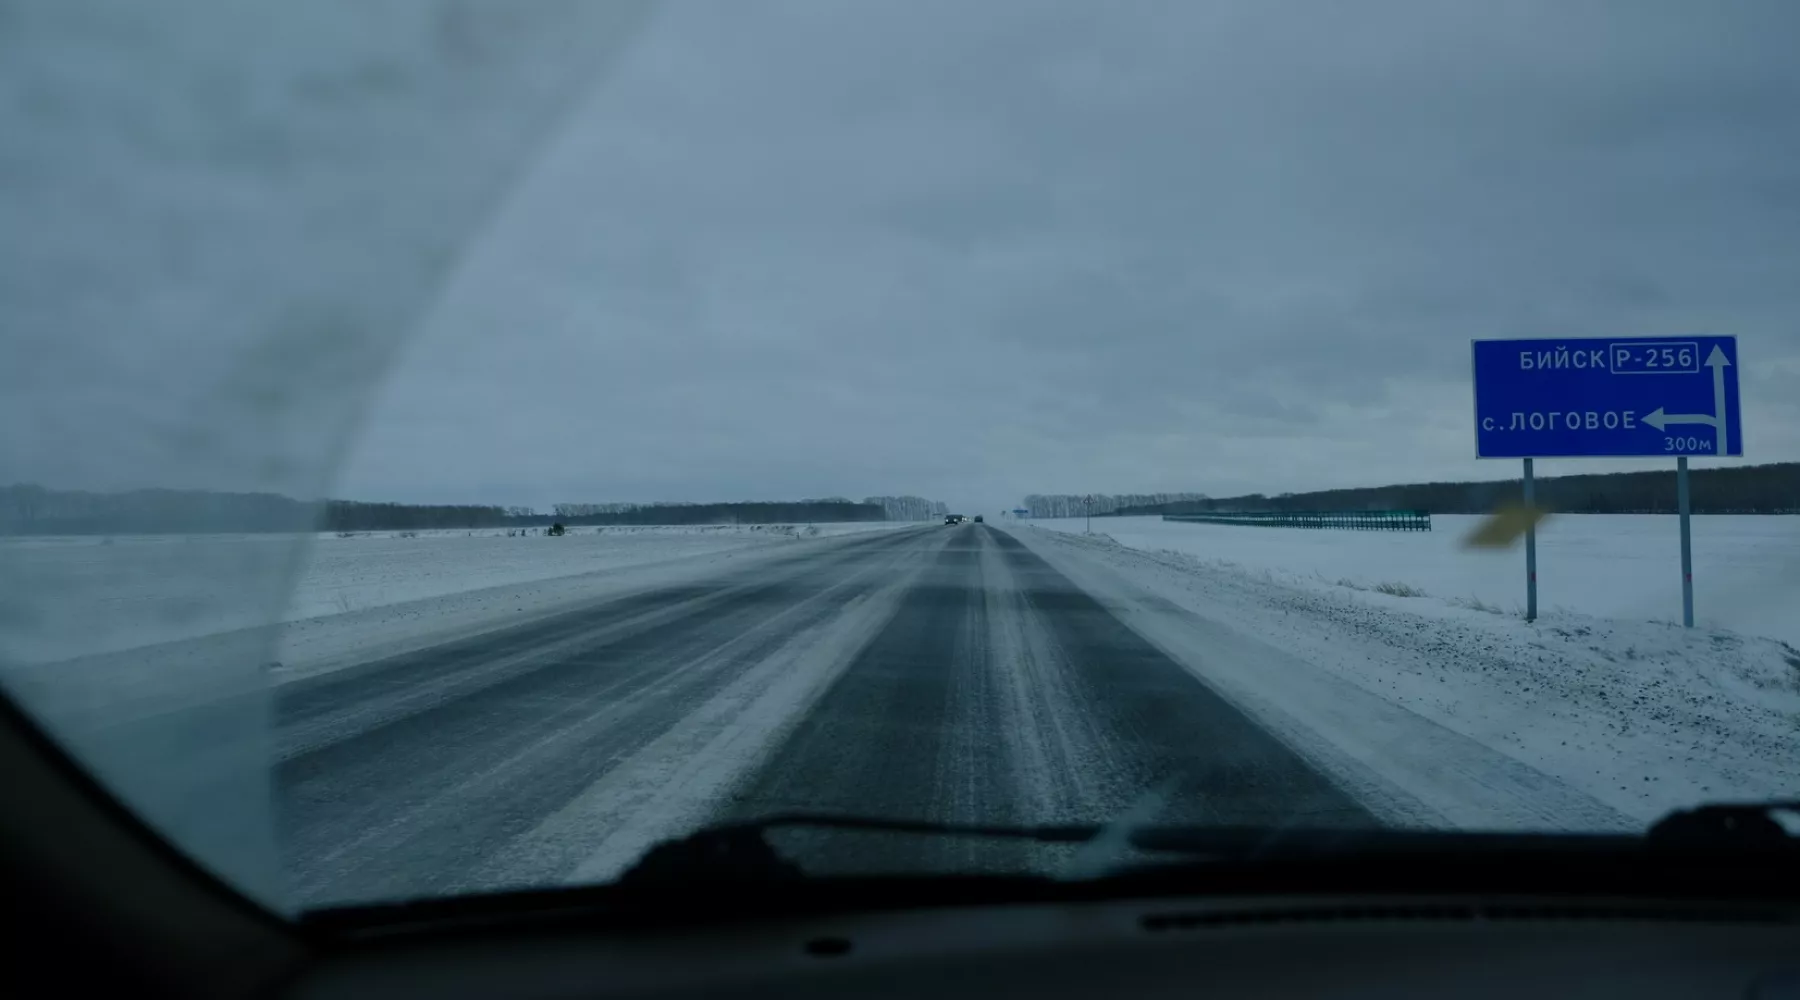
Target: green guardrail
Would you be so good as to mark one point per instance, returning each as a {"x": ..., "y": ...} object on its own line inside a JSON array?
[{"x": 1353, "y": 520}]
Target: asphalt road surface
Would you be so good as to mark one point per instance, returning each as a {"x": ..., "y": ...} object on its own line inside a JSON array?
[{"x": 939, "y": 673}]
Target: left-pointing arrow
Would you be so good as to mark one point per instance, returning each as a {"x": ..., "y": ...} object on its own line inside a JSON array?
[{"x": 1660, "y": 420}]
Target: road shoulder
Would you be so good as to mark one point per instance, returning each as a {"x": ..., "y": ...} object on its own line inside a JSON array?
[{"x": 1371, "y": 730}]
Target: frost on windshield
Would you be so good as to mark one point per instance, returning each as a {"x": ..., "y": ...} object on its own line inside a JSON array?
[{"x": 221, "y": 221}]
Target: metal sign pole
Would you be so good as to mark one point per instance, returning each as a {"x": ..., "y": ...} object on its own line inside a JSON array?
[
  {"x": 1530, "y": 546},
  {"x": 1687, "y": 549}
]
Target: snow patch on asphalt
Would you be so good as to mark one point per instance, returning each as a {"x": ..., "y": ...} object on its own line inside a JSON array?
[
  {"x": 1047, "y": 733},
  {"x": 1440, "y": 714},
  {"x": 676, "y": 782}
]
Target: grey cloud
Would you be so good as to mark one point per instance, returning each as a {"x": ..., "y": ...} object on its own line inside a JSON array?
[
  {"x": 1050, "y": 242},
  {"x": 978, "y": 250}
]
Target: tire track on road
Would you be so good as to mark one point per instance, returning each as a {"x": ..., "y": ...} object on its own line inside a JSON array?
[
  {"x": 1157, "y": 726},
  {"x": 411, "y": 803},
  {"x": 911, "y": 729},
  {"x": 1000, "y": 692},
  {"x": 315, "y": 711}
]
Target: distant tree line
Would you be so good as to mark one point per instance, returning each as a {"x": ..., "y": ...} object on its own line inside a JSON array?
[
  {"x": 750, "y": 512},
  {"x": 1750, "y": 489},
  {"x": 28, "y": 509},
  {"x": 565, "y": 511},
  {"x": 352, "y": 515},
  {"x": 905, "y": 508},
  {"x": 909, "y": 508},
  {"x": 1073, "y": 505}
]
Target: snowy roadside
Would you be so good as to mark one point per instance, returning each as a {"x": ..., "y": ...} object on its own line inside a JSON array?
[
  {"x": 330, "y": 642},
  {"x": 360, "y": 571},
  {"x": 87, "y": 596},
  {"x": 1746, "y": 567},
  {"x": 1445, "y": 714}
]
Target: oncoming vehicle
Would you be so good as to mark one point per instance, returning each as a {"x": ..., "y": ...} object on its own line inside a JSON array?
[{"x": 953, "y": 519}]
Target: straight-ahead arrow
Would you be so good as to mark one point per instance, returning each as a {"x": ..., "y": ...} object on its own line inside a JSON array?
[{"x": 1716, "y": 361}]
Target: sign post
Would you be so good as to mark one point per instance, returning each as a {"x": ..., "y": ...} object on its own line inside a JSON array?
[
  {"x": 1088, "y": 502},
  {"x": 1608, "y": 398},
  {"x": 1687, "y": 547},
  {"x": 1530, "y": 546}
]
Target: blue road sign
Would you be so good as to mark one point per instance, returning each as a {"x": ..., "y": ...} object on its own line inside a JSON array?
[{"x": 1618, "y": 397}]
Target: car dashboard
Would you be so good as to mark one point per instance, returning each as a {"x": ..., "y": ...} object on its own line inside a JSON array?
[{"x": 1325, "y": 946}]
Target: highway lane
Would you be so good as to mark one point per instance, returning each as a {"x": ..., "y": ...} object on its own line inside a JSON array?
[
  {"x": 1003, "y": 693},
  {"x": 399, "y": 777},
  {"x": 935, "y": 673}
]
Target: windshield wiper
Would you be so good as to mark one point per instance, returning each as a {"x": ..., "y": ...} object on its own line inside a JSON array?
[
  {"x": 1708, "y": 852},
  {"x": 741, "y": 851},
  {"x": 1737, "y": 825}
]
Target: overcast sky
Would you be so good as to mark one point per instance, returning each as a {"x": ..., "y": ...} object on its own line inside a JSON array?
[{"x": 975, "y": 250}]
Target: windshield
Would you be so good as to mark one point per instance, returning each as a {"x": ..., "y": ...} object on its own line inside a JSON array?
[{"x": 453, "y": 447}]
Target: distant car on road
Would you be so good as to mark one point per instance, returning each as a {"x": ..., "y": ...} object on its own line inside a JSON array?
[
  {"x": 977, "y": 518},
  {"x": 953, "y": 519}
]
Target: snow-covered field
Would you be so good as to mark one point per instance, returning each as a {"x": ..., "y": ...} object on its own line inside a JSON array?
[
  {"x": 78, "y": 596},
  {"x": 382, "y": 568},
  {"x": 1746, "y": 568},
  {"x": 1448, "y": 713}
]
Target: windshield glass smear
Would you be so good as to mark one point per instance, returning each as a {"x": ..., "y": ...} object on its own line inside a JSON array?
[{"x": 461, "y": 447}]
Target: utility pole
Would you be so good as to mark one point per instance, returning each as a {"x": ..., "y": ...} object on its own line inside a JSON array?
[{"x": 1089, "y": 502}]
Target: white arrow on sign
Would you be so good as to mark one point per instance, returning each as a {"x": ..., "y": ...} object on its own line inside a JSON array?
[
  {"x": 1718, "y": 363},
  {"x": 1660, "y": 420}
]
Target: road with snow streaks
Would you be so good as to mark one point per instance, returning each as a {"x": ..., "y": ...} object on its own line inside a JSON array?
[{"x": 938, "y": 673}]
